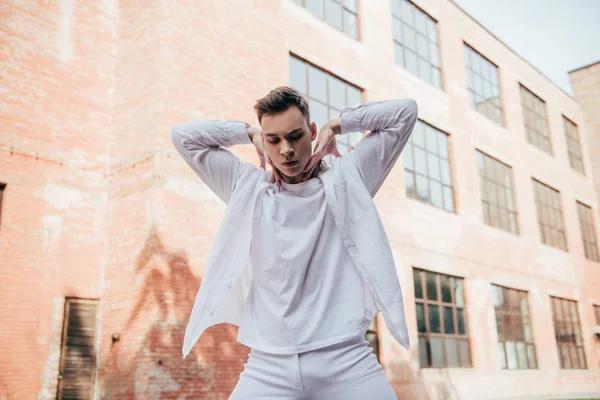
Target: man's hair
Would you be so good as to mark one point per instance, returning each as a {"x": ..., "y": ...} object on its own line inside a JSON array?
[{"x": 279, "y": 100}]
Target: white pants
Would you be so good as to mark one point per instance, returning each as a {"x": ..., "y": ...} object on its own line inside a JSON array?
[{"x": 344, "y": 371}]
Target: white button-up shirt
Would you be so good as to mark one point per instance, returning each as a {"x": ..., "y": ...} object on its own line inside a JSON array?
[{"x": 349, "y": 185}]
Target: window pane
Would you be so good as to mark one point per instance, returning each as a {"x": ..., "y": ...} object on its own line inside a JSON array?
[
  {"x": 317, "y": 84},
  {"x": 350, "y": 24},
  {"x": 350, "y": 4},
  {"x": 337, "y": 93},
  {"x": 418, "y": 284},
  {"x": 465, "y": 353},
  {"x": 318, "y": 113},
  {"x": 437, "y": 352},
  {"x": 431, "y": 139},
  {"x": 434, "y": 318},
  {"x": 420, "y": 161},
  {"x": 433, "y": 167},
  {"x": 531, "y": 356},
  {"x": 431, "y": 282},
  {"x": 449, "y": 321},
  {"x": 418, "y": 135},
  {"x": 446, "y": 288},
  {"x": 421, "y": 323},
  {"x": 298, "y": 75},
  {"x": 452, "y": 352},
  {"x": 461, "y": 321},
  {"x": 502, "y": 355},
  {"x": 458, "y": 292},
  {"x": 522, "y": 355},
  {"x": 422, "y": 188},
  {"x": 333, "y": 14},
  {"x": 424, "y": 352},
  {"x": 436, "y": 194},
  {"x": 354, "y": 97},
  {"x": 411, "y": 62},
  {"x": 448, "y": 198},
  {"x": 511, "y": 355},
  {"x": 315, "y": 7}
]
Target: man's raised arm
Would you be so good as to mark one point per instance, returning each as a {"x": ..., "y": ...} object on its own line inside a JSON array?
[
  {"x": 391, "y": 123},
  {"x": 202, "y": 144}
]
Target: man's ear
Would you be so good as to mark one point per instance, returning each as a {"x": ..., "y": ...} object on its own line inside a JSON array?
[{"x": 313, "y": 131}]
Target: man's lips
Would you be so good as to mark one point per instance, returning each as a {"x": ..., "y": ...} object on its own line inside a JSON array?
[{"x": 290, "y": 163}]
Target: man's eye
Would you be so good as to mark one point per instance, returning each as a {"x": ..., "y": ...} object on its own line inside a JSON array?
[{"x": 273, "y": 141}]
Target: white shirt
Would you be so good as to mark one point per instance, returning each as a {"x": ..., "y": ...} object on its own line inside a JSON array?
[
  {"x": 349, "y": 184},
  {"x": 306, "y": 292}
]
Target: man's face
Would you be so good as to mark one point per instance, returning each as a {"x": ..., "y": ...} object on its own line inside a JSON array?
[{"x": 288, "y": 137}]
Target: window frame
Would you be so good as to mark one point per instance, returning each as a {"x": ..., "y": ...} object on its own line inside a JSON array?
[
  {"x": 580, "y": 349},
  {"x": 344, "y": 8},
  {"x": 467, "y": 51},
  {"x": 589, "y": 246},
  {"x": 408, "y": 153},
  {"x": 537, "y": 185},
  {"x": 487, "y": 182},
  {"x": 346, "y": 139},
  {"x": 404, "y": 25},
  {"x": 529, "y": 130},
  {"x": 508, "y": 314},
  {"x": 442, "y": 305},
  {"x": 576, "y": 141}
]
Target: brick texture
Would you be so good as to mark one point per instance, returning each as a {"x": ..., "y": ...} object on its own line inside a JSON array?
[{"x": 98, "y": 204}]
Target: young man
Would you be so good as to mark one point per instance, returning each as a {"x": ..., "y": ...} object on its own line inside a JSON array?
[{"x": 301, "y": 262}]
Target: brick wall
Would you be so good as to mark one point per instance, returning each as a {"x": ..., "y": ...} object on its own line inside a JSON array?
[{"x": 99, "y": 205}]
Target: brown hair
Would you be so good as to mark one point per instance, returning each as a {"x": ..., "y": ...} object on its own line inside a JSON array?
[{"x": 279, "y": 100}]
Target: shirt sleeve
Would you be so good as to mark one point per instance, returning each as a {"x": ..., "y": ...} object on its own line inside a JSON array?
[
  {"x": 202, "y": 144},
  {"x": 390, "y": 123}
]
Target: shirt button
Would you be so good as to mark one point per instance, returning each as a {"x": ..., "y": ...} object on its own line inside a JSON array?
[
  {"x": 211, "y": 313},
  {"x": 229, "y": 286}
]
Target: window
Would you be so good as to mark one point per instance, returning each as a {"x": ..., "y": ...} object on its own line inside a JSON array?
[
  {"x": 416, "y": 41},
  {"x": 573, "y": 145},
  {"x": 588, "y": 231},
  {"x": 482, "y": 84},
  {"x": 536, "y": 121},
  {"x": 327, "y": 95},
  {"x": 427, "y": 167},
  {"x": 515, "y": 337},
  {"x": 441, "y": 320},
  {"x": 497, "y": 195},
  {"x": 372, "y": 338},
  {"x": 78, "y": 350},
  {"x": 550, "y": 216},
  {"x": 2, "y": 186},
  {"x": 568, "y": 334},
  {"x": 341, "y": 14}
]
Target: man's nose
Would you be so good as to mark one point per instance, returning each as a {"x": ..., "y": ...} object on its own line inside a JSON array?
[{"x": 286, "y": 148}]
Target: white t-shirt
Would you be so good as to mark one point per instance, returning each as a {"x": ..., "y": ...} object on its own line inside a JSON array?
[{"x": 306, "y": 292}]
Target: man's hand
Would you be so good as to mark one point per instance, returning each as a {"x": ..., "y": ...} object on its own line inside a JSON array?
[
  {"x": 324, "y": 146},
  {"x": 256, "y": 137}
]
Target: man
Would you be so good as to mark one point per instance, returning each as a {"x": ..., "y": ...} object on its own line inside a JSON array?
[{"x": 301, "y": 262}]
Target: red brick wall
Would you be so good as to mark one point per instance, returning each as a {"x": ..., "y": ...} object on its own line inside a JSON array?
[
  {"x": 55, "y": 106},
  {"x": 99, "y": 205}
]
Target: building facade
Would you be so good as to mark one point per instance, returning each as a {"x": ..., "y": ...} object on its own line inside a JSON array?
[{"x": 491, "y": 211}]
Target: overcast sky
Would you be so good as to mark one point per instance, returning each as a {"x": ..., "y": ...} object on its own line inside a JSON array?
[{"x": 555, "y": 36}]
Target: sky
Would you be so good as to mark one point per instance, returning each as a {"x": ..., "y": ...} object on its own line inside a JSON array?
[{"x": 555, "y": 36}]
